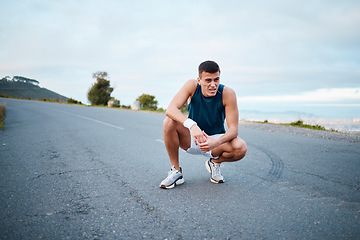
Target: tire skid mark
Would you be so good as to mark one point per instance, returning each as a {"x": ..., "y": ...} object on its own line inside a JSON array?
[{"x": 277, "y": 166}]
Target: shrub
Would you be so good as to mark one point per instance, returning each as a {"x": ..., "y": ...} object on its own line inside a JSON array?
[
  {"x": 147, "y": 102},
  {"x": 73, "y": 101},
  {"x": 300, "y": 123},
  {"x": 125, "y": 106},
  {"x": 115, "y": 102}
]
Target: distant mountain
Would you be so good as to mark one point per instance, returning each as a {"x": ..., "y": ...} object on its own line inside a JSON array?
[{"x": 26, "y": 88}]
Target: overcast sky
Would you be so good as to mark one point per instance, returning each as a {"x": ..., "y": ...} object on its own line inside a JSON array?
[{"x": 276, "y": 55}]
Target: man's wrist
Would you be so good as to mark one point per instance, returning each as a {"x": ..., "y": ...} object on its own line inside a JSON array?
[
  {"x": 189, "y": 123},
  {"x": 219, "y": 142}
]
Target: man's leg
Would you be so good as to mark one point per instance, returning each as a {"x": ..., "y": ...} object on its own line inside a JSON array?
[
  {"x": 227, "y": 152},
  {"x": 175, "y": 136},
  {"x": 231, "y": 151}
]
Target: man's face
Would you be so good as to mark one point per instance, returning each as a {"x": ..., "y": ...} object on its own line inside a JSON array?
[{"x": 209, "y": 83}]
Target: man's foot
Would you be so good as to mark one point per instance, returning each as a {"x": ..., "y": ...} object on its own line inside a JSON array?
[
  {"x": 174, "y": 177},
  {"x": 214, "y": 169}
]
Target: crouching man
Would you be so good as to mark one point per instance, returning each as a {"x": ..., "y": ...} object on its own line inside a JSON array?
[{"x": 203, "y": 132}]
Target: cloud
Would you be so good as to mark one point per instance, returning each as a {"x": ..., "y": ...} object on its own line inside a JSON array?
[{"x": 287, "y": 48}]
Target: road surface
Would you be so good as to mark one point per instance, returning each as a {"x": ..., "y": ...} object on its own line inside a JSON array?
[{"x": 76, "y": 172}]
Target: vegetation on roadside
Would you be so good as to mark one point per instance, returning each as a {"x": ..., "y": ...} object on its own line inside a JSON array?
[
  {"x": 99, "y": 94},
  {"x": 2, "y": 114},
  {"x": 100, "y": 91},
  {"x": 301, "y": 124},
  {"x": 73, "y": 101},
  {"x": 147, "y": 102}
]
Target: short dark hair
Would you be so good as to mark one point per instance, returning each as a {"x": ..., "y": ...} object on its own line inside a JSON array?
[{"x": 208, "y": 66}]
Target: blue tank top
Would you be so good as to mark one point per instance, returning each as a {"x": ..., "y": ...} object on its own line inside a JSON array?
[{"x": 208, "y": 113}]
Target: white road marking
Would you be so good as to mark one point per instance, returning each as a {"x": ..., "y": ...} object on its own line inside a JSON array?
[
  {"x": 160, "y": 140},
  {"x": 94, "y": 120},
  {"x": 98, "y": 121}
]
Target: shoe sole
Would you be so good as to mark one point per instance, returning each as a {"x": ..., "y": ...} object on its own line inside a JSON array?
[
  {"x": 207, "y": 165},
  {"x": 177, "y": 182},
  {"x": 214, "y": 181}
]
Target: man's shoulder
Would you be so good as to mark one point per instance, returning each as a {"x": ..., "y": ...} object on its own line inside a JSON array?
[
  {"x": 191, "y": 82},
  {"x": 190, "y": 86},
  {"x": 229, "y": 96},
  {"x": 228, "y": 91}
]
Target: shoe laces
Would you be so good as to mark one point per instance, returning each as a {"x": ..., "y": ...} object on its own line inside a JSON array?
[
  {"x": 217, "y": 169},
  {"x": 172, "y": 170}
]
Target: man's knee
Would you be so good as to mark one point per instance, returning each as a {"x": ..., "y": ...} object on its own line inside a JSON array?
[
  {"x": 169, "y": 124},
  {"x": 240, "y": 149}
]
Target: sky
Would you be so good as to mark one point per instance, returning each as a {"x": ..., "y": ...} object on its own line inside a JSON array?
[{"x": 277, "y": 55}]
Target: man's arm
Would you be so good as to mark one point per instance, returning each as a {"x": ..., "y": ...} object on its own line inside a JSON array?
[
  {"x": 173, "y": 110},
  {"x": 232, "y": 120},
  {"x": 232, "y": 115}
]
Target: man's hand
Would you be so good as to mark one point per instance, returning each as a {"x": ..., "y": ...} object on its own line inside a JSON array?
[
  {"x": 209, "y": 144},
  {"x": 197, "y": 134}
]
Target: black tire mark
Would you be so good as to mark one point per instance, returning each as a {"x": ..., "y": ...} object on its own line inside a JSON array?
[{"x": 277, "y": 165}]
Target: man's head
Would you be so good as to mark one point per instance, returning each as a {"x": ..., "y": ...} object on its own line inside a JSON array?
[
  {"x": 209, "y": 78},
  {"x": 208, "y": 66}
]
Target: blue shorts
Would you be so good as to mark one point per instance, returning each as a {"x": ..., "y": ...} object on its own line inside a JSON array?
[{"x": 195, "y": 149}]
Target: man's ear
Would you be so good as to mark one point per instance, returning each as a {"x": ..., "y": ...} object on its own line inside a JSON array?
[{"x": 198, "y": 80}]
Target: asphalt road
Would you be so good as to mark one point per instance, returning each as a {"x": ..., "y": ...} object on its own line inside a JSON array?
[{"x": 75, "y": 172}]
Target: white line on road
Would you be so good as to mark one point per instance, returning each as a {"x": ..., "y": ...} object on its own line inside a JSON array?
[
  {"x": 98, "y": 121},
  {"x": 160, "y": 140},
  {"x": 94, "y": 120}
]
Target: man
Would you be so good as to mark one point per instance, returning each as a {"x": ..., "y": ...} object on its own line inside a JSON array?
[{"x": 203, "y": 132}]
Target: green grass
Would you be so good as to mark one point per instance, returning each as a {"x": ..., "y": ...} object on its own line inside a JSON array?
[
  {"x": 2, "y": 114},
  {"x": 301, "y": 124}
]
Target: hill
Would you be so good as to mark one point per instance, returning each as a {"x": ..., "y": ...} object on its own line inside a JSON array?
[{"x": 26, "y": 88}]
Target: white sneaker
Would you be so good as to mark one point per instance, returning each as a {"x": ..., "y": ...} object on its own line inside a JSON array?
[
  {"x": 174, "y": 177},
  {"x": 214, "y": 169}
]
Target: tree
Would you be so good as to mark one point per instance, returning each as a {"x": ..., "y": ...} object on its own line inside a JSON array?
[
  {"x": 99, "y": 93},
  {"x": 147, "y": 102}
]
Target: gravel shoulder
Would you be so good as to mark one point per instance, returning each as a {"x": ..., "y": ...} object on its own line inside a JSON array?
[{"x": 337, "y": 136}]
